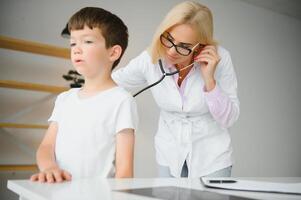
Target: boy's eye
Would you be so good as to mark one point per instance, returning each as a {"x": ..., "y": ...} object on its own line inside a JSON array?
[
  {"x": 72, "y": 44},
  {"x": 88, "y": 41}
]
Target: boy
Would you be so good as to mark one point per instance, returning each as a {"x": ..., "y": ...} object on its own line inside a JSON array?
[{"x": 91, "y": 131}]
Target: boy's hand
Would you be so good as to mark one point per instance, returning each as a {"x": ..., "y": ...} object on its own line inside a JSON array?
[{"x": 51, "y": 175}]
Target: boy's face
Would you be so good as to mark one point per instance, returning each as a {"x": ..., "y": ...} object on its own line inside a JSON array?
[{"x": 89, "y": 54}]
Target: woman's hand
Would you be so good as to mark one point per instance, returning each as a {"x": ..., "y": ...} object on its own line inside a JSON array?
[
  {"x": 51, "y": 175},
  {"x": 208, "y": 59}
]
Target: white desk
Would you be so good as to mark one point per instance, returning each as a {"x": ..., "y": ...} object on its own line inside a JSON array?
[{"x": 102, "y": 189}]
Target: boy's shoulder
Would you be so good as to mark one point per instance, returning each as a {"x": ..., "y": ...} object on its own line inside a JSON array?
[
  {"x": 122, "y": 93},
  {"x": 115, "y": 97},
  {"x": 64, "y": 95}
]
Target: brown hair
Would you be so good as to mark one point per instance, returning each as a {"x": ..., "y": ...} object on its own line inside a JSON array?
[{"x": 114, "y": 31}]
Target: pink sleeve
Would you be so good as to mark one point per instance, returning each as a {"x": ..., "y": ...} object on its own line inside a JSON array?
[{"x": 222, "y": 108}]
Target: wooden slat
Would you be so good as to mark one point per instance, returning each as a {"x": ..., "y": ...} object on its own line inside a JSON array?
[
  {"x": 28, "y": 126},
  {"x": 33, "y": 47},
  {"x": 32, "y": 86},
  {"x": 18, "y": 168}
]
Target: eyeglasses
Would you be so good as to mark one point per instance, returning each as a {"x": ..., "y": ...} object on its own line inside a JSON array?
[{"x": 184, "y": 51}]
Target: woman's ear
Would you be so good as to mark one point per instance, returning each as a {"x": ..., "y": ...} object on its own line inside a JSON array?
[{"x": 115, "y": 53}]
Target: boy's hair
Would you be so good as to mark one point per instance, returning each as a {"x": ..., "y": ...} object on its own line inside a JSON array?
[{"x": 114, "y": 31}]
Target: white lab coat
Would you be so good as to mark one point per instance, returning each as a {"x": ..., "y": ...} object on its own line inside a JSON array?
[{"x": 188, "y": 131}]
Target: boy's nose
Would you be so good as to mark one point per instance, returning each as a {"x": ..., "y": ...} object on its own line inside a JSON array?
[{"x": 77, "y": 50}]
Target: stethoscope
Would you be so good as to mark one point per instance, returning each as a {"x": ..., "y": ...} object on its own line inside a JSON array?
[{"x": 164, "y": 74}]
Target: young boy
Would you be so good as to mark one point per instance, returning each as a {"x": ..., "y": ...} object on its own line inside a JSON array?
[{"x": 91, "y": 131}]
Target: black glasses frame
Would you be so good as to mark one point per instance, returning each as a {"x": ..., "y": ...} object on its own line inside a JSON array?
[{"x": 177, "y": 46}]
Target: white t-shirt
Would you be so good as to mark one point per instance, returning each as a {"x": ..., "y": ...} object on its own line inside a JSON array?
[{"x": 85, "y": 142}]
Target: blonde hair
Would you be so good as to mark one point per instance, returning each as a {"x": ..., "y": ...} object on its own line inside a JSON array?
[{"x": 188, "y": 12}]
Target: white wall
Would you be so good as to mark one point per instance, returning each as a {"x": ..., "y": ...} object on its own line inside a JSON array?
[{"x": 264, "y": 48}]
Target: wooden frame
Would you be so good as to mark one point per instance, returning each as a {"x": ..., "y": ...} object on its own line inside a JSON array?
[
  {"x": 25, "y": 167},
  {"x": 29, "y": 126},
  {"x": 32, "y": 86},
  {"x": 33, "y": 47}
]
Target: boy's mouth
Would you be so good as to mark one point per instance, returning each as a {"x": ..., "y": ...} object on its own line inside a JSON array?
[{"x": 78, "y": 60}]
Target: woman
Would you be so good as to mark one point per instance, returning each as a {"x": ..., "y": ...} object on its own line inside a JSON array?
[{"x": 198, "y": 104}]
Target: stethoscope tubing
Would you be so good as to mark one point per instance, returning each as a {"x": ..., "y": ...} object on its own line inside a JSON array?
[{"x": 164, "y": 74}]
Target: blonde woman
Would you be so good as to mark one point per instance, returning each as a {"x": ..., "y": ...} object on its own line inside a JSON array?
[{"x": 199, "y": 104}]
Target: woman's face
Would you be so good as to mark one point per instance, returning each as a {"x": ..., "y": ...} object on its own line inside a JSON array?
[{"x": 185, "y": 38}]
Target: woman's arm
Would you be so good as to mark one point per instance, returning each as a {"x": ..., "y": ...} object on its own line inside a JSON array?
[
  {"x": 125, "y": 141},
  {"x": 222, "y": 99},
  {"x": 220, "y": 85},
  {"x": 223, "y": 107},
  {"x": 133, "y": 75}
]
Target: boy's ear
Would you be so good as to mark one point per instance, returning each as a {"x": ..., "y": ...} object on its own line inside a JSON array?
[{"x": 115, "y": 52}]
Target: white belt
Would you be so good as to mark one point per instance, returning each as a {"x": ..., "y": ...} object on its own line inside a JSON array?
[{"x": 182, "y": 124}]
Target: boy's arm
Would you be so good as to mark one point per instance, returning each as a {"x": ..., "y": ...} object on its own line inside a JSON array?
[
  {"x": 49, "y": 170},
  {"x": 125, "y": 141},
  {"x": 45, "y": 154}
]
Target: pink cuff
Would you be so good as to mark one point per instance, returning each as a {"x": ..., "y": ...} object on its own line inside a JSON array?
[{"x": 213, "y": 94}]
